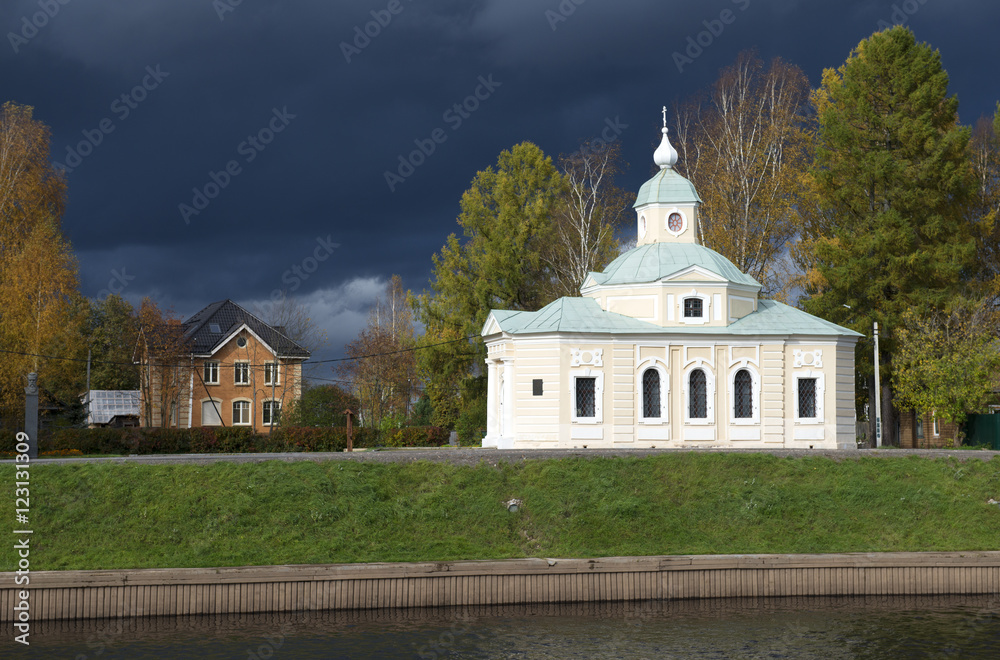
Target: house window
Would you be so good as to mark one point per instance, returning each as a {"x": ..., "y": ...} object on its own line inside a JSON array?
[
  {"x": 698, "y": 395},
  {"x": 743, "y": 395},
  {"x": 693, "y": 308},
  {"x": 586, "y": 397},
  {"x": 807, "y": 398},
  {"x": 919, "y": 426},
  {"x": 936, "y": 426},
  {"x": 272, "y": 409},
  {"x": 210, "y": 413},
  {"x": 651, "y": 394},
  {"x": 211, "y": 373},
  {"x": 242, "y": 370},
  {"x": 272, "y": 374},
  {"x": 241, "y": 412}
]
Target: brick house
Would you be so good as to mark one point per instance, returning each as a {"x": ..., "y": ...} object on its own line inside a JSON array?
[
  {"x": 924, "y": 431},
  {"x": 236, "y": 371}
]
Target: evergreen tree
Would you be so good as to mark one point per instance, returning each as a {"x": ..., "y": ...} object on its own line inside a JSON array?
[
  {"x": 114, "y": 332},
  {"x": 891, "y": 179},
  {"x": 506, "y": 216}
]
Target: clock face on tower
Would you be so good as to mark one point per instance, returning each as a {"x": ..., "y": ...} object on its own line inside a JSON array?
[{"x": 675, "y": 222}]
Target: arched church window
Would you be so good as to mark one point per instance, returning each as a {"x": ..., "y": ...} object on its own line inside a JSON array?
[
  {"x": 698, "y": 395},
  {"x": 651, "y": 393},
  {"x": 743, "y": 395}
]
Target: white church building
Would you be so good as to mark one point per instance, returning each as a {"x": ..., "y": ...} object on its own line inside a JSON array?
[{"x": 670, "y": 346}]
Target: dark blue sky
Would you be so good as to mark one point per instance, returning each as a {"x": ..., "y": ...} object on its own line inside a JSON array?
[{"x": 275, "y": 122}]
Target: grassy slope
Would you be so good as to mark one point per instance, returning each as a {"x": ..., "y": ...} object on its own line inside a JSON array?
[{"x": 133, "y": 516}]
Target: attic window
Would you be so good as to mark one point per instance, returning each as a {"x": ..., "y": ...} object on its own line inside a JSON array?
[
  {"x": 692, "y": 308},
  {"x": 214, "y": 327}
]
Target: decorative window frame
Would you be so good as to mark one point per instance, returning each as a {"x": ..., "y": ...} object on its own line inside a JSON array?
[
  {"x": 269, "y": 368},
  {"x": 660, "y": 367},
  {"x": 684, "y": 221},
  {"x": 214, "y": 366},
  {"x": 249, "y": 409},
  {"x": 642, "y": 225},
  {"x": 709, "y": 394},
  {"x": 706, "y": 308},
  {"x": 237, "y": 370},
  {"x": 598, "y": 417},
  {"x": 820, "y": 417},
  {"x": 754, "y": 419},
  {"x": 263, "y": 407}
]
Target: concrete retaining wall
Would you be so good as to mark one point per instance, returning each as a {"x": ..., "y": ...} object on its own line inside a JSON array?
[{"x": 159, "y": 592}]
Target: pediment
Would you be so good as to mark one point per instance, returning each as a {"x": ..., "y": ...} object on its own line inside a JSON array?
[
  {"x": 491, "y": 327},
  {"x": 694, "y": 274}
]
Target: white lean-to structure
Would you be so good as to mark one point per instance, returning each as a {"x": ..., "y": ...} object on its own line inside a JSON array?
[{"x": 670, "y": 346}]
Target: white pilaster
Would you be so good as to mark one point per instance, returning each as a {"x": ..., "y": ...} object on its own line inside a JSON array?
[{"x": 492, "y": 418}]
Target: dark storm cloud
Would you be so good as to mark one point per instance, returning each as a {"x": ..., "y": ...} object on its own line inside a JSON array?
[{"x": 204, "y": 132}]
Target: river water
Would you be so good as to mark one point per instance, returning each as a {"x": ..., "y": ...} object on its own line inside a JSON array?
[{"x": 827, "y": 628}]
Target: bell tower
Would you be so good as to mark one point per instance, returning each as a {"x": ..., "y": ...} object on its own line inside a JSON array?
[{"x": 667, "y": 205}]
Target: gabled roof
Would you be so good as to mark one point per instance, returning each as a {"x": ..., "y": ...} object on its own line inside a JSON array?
[
  {"x": 227, "y": 317},
  {"x": 655, "y": 261},
  {"x": 584, "y": 315}
]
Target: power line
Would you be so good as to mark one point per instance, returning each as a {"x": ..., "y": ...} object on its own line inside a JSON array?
[{"x": 309, "y": 362}]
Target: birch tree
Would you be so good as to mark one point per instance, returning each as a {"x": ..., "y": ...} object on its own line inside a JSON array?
[
  {"x": 984, "y": 206},
  {"x": 382, "y": 368},
  {"x": 163, "y": 355},
  {"x": 591, "y": 210},
  {"x": 41, "y": 311},
  {"x": 743, "y": 145}
]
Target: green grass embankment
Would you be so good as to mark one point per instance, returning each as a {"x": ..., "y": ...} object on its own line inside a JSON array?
[{"x": 103, "y": 516}]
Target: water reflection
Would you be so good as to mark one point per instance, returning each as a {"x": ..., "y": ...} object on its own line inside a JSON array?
[{"x": 827, "y": 628}]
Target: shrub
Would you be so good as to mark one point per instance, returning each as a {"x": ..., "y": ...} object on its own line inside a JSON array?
[
  {"x": 219, "y": 439},
  {"x": 416, "y": 436}
]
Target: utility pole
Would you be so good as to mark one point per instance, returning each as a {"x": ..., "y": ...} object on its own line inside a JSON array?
[{"x": 878, "y": 395}]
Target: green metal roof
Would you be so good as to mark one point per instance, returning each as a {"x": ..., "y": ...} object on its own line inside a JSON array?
[
  {"x": 654, "y": 261},
  {"x": 667, "y": 187},
  {"x": 584, "y": 315}
]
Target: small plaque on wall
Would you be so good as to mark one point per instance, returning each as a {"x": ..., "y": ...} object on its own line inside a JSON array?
[{"x": 536, "y": 387}]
